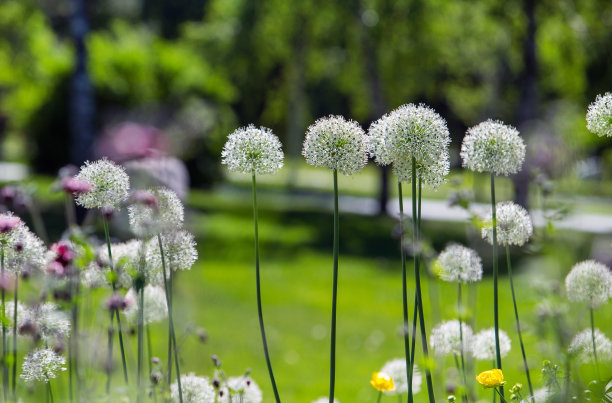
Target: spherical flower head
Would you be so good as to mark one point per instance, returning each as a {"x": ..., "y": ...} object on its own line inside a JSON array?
[
  {"x": 381, "y": 381},
  {"x": 336, "y": 143},
  {"x": 582, "y": 346},
  {"x": 155, "y": 307},
  {"x": 494, "y": 147},
  {"x": 252, "y": 150},
  {"x": 179, "y": 252},
  {"x": 483, "y": 344},
  {"x": 240, "y": 389},
  {"x": 109, "y": 185},
  {"x": 148, "y": 219},
  {"x": 589, "y": 282},
  {"x": 396, "y": 369},
  {"x": 42, "y": 365},
  {"x": 195, "y": 389},
  {"x": 126, "y": 262},
  {"x": 492, "y": 378},
  {"x": 459, "y": 264},
  {"x": 9, "y": 313},
  {"x": 514, "y": 225},
  {"x": 599, "y": 116},
  {"x": 24, "y": 251},
  {"x": 410, "y": 132},
  {"x": 445, "y": 338},
  {"x": 51, "y": 323}
]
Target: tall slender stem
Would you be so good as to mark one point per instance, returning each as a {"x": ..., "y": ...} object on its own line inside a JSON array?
[
  {"x": 404, "y": 292},
  {"x": 109, "y": 353},
  {"x": 332, "y": 358},
  {"x": 140, "y": 341},
  {"x": 50, "y": 391},
  {"x": 518, "y": 323},
  {"x": 73, "y": 346},
  {"x": 15, "y": 295},
  {"x": 495, "y": 279},
  {"x": 258, "y": 286},
  {"x": 415, "y": 316},
  {"x": 417, "y": 278},
  {"x": 5, "y": 380},
  {"x": 379, "y": 397},
  {"x": 460, "y": 316},
  {"x": 593, "y": 340},
  {"x": 172, "y": 339},
  {"x": 150, "y": 358}
]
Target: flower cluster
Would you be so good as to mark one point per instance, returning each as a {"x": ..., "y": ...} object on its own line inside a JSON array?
[
  {"x": 493, "y": 147},
  {"x": 589, "y": 282},
  {"x": 109, "y": 185},
  {"x": 252, "y": 150},
  {"x": 195, "y": 389},
  {"x": 23, "y": 251},
  {"x": 513, "y": 225},
  {"x": 396, "y": 369},
  {"x": 582, "y": 346},
  {"x": 336, "y": 143},
  {"x": 155, "y": 306},
  {"x": 483, "y": 344},
  {"x": 599, "y": 116},
  {"x": 42, "y": 365},
  {"x": 240, "y": 389},
  {"x": 445, "y": 338},
  {"x": 457, "y": 263},
  {"x": 179, "y": 253},
  {"x": 160, "y": 212}
]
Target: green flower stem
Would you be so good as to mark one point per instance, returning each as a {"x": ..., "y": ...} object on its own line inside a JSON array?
[
  {"x": 140, "y": 342},
  {"x": 172, "y": 338},
  {"x": 109, "y": 353},
  {"x": 70, "y": 211},
  {"x": 73, "y": 346},
  {"x": 258, "y": 286},
  {"x": 417, "y": 278},
  {"x": 518, "y": 324},
  {"x": 332, "y": 359},
  {"x": 495, "y": 280},
  {"x": 460, "y": 315},
  {"x": 500, "y": 393},
  {"x": 50, "y": 391},
  {"x": 150, "y": 357},
  {"x": 14, "y": 368},
  {"x": 415, "y": 316},
  {"x": 404, "y": 293},
  {"x": 112, "y": 267},
  {"x": 379, "y": 396},
  {"x": 593, "y": 340},
  {"x": 5, "y": 380}
]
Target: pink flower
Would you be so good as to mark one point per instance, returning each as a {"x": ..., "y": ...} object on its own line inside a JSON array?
[
  {"x": 75, "y": 186},
  {"x": 144, "y": 197},
  {"x": 8, "y": 223}
]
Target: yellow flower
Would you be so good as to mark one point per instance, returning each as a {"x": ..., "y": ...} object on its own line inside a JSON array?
[
  {"x": 381, "y": 381},
  {"x": 492, "y": 378}
]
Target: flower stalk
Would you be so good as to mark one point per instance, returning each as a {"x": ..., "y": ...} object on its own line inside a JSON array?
[
  {"x": 495, "y": 281},
  {"x": 332, "y": 358},
  {"x": 406, "y": 331}
]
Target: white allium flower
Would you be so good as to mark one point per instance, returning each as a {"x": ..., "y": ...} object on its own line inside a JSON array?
[
  {"x": 109, "y": 185},
  {"x": 493, "y": 147},
  {"x": 165, "y": 214},
  {"x": 336, "y": 143},
  {"x": 23, "y": 251},
  {"x": 396, "y": 369},
  {"x": 412, "y": 131},
  {"x": 445, "y": 338},
  {"x": 126, "y": 261},
  {"x": 589, "y": 282},
  {"x": 457, "y": 263},
  {"x": 196, "y": 389},
  {"x": 94, "y": 276},
  {"x": 9, "y": 312},
  {"x": 599, "y": 115},
  {"x": 51, "y": 322},
  {"x": 582, "y": 346},
  {"x": 252, "y": 150},
  {"x": 179, "y": 251},
  {"x": 541, "y": 395},
  {"x": 513, "y": 225},
  {"x": 42, "y": 365},
  {"x": 241, "y": 389},
  {"x": 156, "y": 308},
  {"x": 483, "y": 344}
]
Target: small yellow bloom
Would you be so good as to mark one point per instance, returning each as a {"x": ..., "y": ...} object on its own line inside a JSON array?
[
  {"x": 381, "y": 381},
  {"x": 492, "y": 378}
]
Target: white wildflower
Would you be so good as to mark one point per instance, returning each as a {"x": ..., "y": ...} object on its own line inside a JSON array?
[
  {"x": 9, "y": 312},
  {"x": 126, "y": 261},
  {"x": 253, "y": 150},
  {"x": 195, "y": 389},
  {"x": 513, "y": 225},
  {"x": 396, "y": 369},
  {"x": 445, "y": 338},
  {"x": 49, "y": 320},
  {"x": 24, "y": 251},
  {"x": 457, "y": 263},
  {"x": 155, "y": 309},
  {"x": 109, "y": 185},
  {"x": 483, "y": 344},
  {"x": 240, "y": 389},
  {"x": 163, "y": 213},
  {"x": 336, "y": 143},
  {"x": 179, "y": 252},
  {"x": 599, "y": 116},
  {"x": 589, "y": 282},
  {"x": 582, "y": 346},
  {"x": 493, "y": 147},
  {"x": 42, "y": 365}
]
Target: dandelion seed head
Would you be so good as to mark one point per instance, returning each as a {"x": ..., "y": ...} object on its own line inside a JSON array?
[
  {"x": 459, "y": 264},
  {"x": 335, "y": 143},
  {"x": 252, "y": 150},
  {"x": 589, "y": 282},
  {"x": 241, "y": 389},
  {"x": 148, "y": 219},
  {"x": 42, "y": 365},
  {"x": 195, "y": 389},
  {"x": 396, "y": 369},
  {"x": 483, "y": 344},
  {"x": 494, "y": 147},
  {"x": 599, "y": 116},
  {"x": 514, "y": 225},
  {"x": 109, "y": 185},
  {"x": 445, "y": 338},
  {"x": 582, "y": 346},
  {"x": 155, "y": 305}
]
